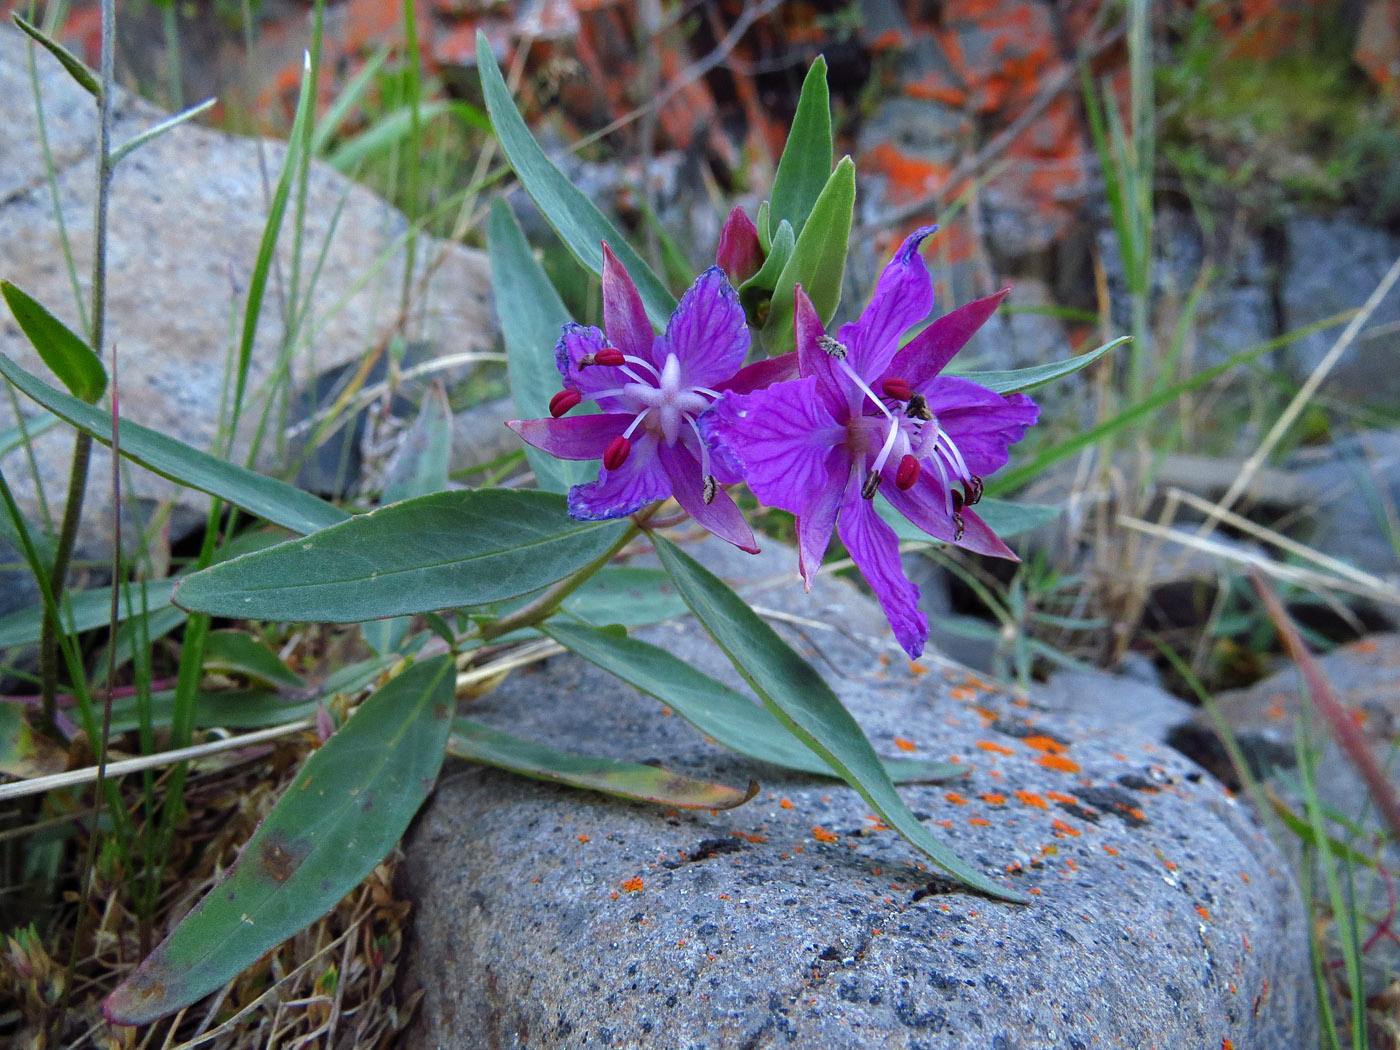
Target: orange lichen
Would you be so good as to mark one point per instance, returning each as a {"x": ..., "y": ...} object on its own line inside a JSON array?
[
  {"x": 1059, "y": 762},
  {"x": 995, "y": 748},
  {"x": 979, "y": 822},
  {"x": 1060, "y": 796},
  {"x": 955, "y": 798},
  {"x": 584, "y": 838},
  {"x": 1030, "y": 798},
  {"x": 904, "y": 745},
  {"x": 1202, "y": 912},
  {"x": 916, "y": 668},
  {"x": 1048, "y": 744},
  {"x": 822, "y": 835},
  {"x": 785, "y": 803},
  {"x": 994, "y": 799},
  {"x": 1064, "y": 829},
  {"x": 1110, "y": 851},
  {"x": 749, "y": 837},
  {"x": 962, "y": 692}
]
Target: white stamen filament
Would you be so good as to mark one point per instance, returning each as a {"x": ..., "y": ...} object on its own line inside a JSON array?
[
  {"x": 851, "y": 373},
  {"x": 943, "y": 477},
  {"x": 636, "y": 423},
  {"x": 887, "y": 447},
  {"x": 705, "y": 471}
]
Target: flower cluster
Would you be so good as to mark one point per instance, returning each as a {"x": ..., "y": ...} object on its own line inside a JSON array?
[{"x": 819, "y": 432}]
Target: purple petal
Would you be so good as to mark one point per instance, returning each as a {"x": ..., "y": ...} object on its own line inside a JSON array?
[
  {"x": 624, "y": 316},
  {"x": 814, "y": 526},
  {"x": 761, "y": 374},
  {"x": 740, "y": 254},
  {"x": 617, "y": 493},
  {"x": 725, "y": 463},
  {"x": 707, "y": 332},
  {"x": 924, "y": 356},
  {"x": 577, "y": 341},
  {"x": 722, "y": 516},
  {"x": 875, "y": 549},
  {"x": 571, "y": 437},
  {"x": 833, "y": 386},
  {"x": 786, "y": 440},
  {"x": 982, "y": 423},
  {"x": 927, "y": 507},
  {"x": 903, "y": 297}
]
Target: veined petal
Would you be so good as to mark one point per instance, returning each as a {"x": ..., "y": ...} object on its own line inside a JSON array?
[
  {"x": 834, "y": 387},
  {"x": 761, "y": 374},
  {"x": 722, "y": 516},
  {"x": 576, "y": 341},
  {"x": 929, "y": 352},
  {"x": 903, "y": 297},
  {"x": 624, "y": 316},
  {"x": 815, "y": 524},
  {"x": 617, "y": 493},
  {"x": 982, "y": 423},
  {"x": 740, "y": 254},
  {"x": 875, "y": 549},
  {"x": 572, "y": 437},
  {"x": 926, "y": 506},
  {"x": 785, "y": 439},
  {"x": 707, "y": 332}
]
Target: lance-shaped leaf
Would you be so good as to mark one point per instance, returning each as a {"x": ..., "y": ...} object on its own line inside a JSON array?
[
  {"x": 435, "y": 552},
  {"x": 793, "y": 691},
  {"x": 806, "y": 161},
  {"x": 757, "y": 292},
  {"x": 818, "y": 260},
  {"x": 264, "y": 497},
  {"x": 79, "y": 71},
  {"x": 580, "y": 225},
  {"x": 238, "y": 652},
  {"x": 1039, "y": 375},
  {"x": 67, "y": 355},
  {"x": 84, "y": 610},
  {"x": 626, "y": 595},
  {"x": 532, "y": 318},
  {"x": 340, "y": 816},
  {"x": 480, "y": 743},
  {"x": 712, "y": 707}
]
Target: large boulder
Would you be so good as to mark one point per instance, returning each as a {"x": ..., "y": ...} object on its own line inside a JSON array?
[{"x": 1160, "y": 917}]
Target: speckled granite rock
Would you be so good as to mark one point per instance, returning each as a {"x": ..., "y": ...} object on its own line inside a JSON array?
[{"x": 549, "y": 918}]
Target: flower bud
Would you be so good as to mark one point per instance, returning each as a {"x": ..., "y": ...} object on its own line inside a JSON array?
[
  {"x": 563, "y": 401},
  {"x": 617, "y": 452}
]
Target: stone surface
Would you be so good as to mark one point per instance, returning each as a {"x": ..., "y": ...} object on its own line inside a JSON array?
[
  {"x": 1355, "y": 488},
  {"x": 187, "y": 214},
  {"x": 1333, "y": 265},
  {"x": 549, "y": 918}
]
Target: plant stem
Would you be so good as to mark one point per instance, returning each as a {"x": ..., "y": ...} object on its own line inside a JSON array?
[{"x": 58, "y": 574}]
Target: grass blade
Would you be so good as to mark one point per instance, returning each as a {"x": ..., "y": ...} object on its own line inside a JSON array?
[{"x": 1039, "y": 375}]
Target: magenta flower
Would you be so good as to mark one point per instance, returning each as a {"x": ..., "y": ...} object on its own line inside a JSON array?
[
  {"x": 652, "y": 390},
  {"x": 867, "y": 417}
]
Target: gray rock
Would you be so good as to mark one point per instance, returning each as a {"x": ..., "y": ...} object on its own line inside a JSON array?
[
  {"x": 187, "y": 214},
  {"x": 1333, "y": 265},
  {"x": 1160, "y": 917},
  {"x": 1355, "y": 488}
]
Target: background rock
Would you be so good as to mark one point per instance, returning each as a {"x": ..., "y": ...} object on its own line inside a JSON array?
[{"x": 1161, "y": 915}]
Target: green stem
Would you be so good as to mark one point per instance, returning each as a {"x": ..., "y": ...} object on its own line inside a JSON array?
[
  {"x": 547, "y": 604},
  {"x": 58, "y": 574}
]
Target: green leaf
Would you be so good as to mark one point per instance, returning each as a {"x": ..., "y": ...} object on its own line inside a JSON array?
[
  {"x": 264, "y": 497},
  {"x": 757, "y": 292},
  {"x": 344, "y": 811},
  {"x": 394, "y": 128},
  {"x": 386, "y": 636},
  {"x": 806, "y": 160},
  {"x": 818, "y": 261},
  {"x": 1006, "y": 518},
  {"x": 1039, "y": 375},
  {"x": 479, "y": 743},
  {"x": 156, "y": 130},
  {"x": 580, "y": 225},
  {"x": 624, "y": 594},
  {"x": 224, "y": 708},
  {"x": 85, "y": 77},
  {"x": 68, "y": 356},
  {"x": 22, "y": 753},
  {"x": 793, "y": 691},
  {"x": 712, "y": 707},
  {"x": 83, "y": 611},
  {"x": 434, "y": 552},
  {"x": 532, "y": 317},
  {"x": 238, "y": 652}
]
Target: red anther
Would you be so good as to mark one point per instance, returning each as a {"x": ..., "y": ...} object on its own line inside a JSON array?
[
  {"x": 907, "y": 474},
  {"x": 563, "y": 401},
  {"x": 896, "y": 388},
  {"x": 609, "y": 355},
  {"x": 617, "y": 452}
]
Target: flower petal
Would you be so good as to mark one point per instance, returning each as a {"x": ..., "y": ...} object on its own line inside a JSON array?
[
  {"x": 762, "y": 374},
  {"x": 740, "y": 254},
  {"x": 814, "y": 527},
  {"x": 624, "y": 316},
  {"x": 903, "y": 297},
  {"x": 834, "y": 387},
  {"x": 786, "y": 440},
  {"x": 875, "y": 549},
  {"x": 982, "y": 423},
  {"x": 722, "y": 516},
  {"x": 924, "y": 356},
  {"x": 926, "y": 506},
  {"x": 576, "y": 341},
  {"x": 572, "y": 437},
  {"x": 617, "y": 493},
  {"x": 707, "y": 332}
]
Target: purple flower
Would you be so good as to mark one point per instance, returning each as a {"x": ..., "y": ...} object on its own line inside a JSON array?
[
  {"x": 653, "y": 390},
  {"x": 867, "y": 417}
]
